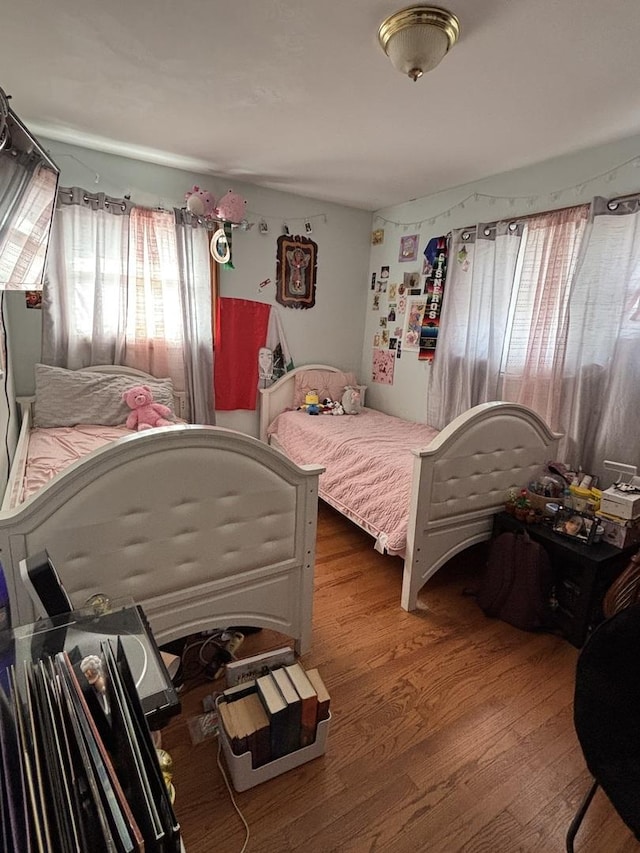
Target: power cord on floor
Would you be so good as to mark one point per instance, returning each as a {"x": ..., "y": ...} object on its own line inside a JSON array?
[
  {"x": 233, "y": 799},
  {"x": 214, "y": 651}
]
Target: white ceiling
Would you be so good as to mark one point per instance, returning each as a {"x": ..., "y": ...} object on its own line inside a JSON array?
[{"x": 297, "y": 95}]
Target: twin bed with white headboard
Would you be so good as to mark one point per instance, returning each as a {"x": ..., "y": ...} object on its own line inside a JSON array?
[
  {"x": 204, "y": 527},
  {"x": 423, "y": 494}
]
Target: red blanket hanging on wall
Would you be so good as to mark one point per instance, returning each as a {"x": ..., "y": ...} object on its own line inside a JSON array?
[{"x": 241, "y": 331}]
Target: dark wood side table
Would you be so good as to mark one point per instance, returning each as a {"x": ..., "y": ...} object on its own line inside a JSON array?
[{"x": 583, "y": 573}]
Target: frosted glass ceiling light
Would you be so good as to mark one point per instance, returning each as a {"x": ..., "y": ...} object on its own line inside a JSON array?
[{"x": 416, "y": 38}]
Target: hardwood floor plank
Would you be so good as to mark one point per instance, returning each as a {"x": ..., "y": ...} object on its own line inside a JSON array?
[{"x": 450, "y": 731}]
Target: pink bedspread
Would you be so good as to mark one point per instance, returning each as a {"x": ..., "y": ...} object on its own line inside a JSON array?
[
  {"x": 52, "y": 450},
  {"x": 368, "y": 461}
]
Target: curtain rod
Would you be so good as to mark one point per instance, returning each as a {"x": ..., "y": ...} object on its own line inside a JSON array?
[{"x": 613, "y": 200}]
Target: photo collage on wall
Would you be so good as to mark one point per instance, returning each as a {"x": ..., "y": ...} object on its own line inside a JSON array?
[{"x": 408, "y": 310}]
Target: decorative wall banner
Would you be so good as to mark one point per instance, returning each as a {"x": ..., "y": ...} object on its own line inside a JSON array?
[
  {"x": 436, "y": 254},
  {"x": 296, "y": 267}
]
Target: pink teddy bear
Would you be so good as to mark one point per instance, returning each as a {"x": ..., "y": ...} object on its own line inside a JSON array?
[{"x": 145, "y": 413}]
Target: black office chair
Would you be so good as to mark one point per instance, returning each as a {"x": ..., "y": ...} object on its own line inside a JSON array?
[{"x": 607, "y": 716}]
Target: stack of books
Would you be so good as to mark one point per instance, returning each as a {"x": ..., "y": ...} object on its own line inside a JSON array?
[
  {"x": 275, "y": 714},
  {"x": 78, "y": 767}
]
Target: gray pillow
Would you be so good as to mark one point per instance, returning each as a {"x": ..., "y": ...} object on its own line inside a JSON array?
[{"x": 70, "y": 397}]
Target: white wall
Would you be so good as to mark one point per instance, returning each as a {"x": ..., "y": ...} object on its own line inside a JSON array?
[
  {"x": 561, "y": 182},
  {"x": 330, "y": 332}
]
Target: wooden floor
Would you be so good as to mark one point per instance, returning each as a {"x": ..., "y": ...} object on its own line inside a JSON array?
[{"x": 450, "y": 731}]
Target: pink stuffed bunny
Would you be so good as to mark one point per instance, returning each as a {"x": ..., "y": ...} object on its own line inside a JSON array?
[{"x": 145, "y": 413}]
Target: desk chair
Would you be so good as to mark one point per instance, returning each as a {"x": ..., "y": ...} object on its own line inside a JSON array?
[{"x": 607, "y": 704}]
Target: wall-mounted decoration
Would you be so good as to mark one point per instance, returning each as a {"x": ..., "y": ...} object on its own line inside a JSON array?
[
  {"x": 409, "y": 247},
  {"x": 376, "y": 301},
  {"x": 296, "y": 267},
  {"x": 377, "y": 237},
  {"x": 308, "y": 228},
  {"x": 384, "y": 273},
  {"x": 411, "y": 280},
  {"x": 200, "y": 202},
  {"x": 393, "y": 289},
  {"x": 230, "y": 207},
  {"x": 373, "y": 281},
  {"x": 413, "y": 323},
  {"x": 263, "y": 226},
  {"x": 33, "y": 298},
  {"x": 383, "y": 364},
  {"x": 434, "y": 290}
]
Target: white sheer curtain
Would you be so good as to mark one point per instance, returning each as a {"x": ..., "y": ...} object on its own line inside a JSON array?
[
  {"x": 547, "y": 313},
  {"x": 128, "y": 285},
  {"x": 85, "y": 291},
  {"x": 475, "y": 314},
  {"x": 196, "y": 293},
  {"x": 534, "y": 349},
  {"x": 154, "y": 325},
  {"x": 601, "y": 387}
]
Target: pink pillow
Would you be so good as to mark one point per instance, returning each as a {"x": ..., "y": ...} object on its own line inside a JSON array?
[{"x": 326, "y": 383}]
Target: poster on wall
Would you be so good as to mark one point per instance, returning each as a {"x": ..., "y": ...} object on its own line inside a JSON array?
[
  {"x": 409, "y": 247},
  {"x": 296, "y": 267},
  {"x": 383, "y": 364},
  {"x": 413, "y": 323},
  {"x": 437, "y": 255}
]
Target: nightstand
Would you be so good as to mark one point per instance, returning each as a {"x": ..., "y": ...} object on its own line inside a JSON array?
[{"x": 582, "y": 573}]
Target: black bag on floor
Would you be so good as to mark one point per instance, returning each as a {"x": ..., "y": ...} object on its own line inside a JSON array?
[{"x": 518, "y": 582}]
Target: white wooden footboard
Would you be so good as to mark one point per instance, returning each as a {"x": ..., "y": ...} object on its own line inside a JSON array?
[
  {"x": 204, "y": 527},
  {"x": 461, "y": 480}
]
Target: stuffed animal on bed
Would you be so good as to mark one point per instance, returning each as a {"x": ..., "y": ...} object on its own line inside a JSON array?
[
  {"x": 351, "y": 401},
  {"x": 145, "y": 413}
]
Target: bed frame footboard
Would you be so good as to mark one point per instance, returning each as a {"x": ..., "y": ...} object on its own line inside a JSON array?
[
  {"x": 461, "y": 480},
  {"x": 204, "y": 527}
]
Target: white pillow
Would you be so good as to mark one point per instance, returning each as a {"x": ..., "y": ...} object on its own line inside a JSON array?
[{"x": 69, "y": 397}]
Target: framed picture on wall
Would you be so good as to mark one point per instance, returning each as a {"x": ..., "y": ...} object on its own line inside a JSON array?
[{"x": 296, "y": 266}]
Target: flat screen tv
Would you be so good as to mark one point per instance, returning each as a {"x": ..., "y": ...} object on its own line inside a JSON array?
[{"x": 28, "y": 190}]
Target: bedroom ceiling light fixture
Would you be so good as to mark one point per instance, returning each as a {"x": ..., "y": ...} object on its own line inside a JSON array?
[{"x": 417, "y": 38}]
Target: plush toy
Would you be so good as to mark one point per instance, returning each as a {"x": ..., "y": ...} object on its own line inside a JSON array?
[
  {"x": 200, "y": 202},
  {"x": 145, "y": 413},
  {"x": 231, "y": 208},
  {"x": 351, "y": 402}
]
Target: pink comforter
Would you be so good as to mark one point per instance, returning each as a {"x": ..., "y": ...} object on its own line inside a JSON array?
[
  {"x": 52, "y": 450},
  {"x": 368, "y": 462}
]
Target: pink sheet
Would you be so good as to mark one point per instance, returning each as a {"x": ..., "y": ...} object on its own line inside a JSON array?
[
  {"x": 52, "y": 450},
  {"x": 369, "y": 465}
]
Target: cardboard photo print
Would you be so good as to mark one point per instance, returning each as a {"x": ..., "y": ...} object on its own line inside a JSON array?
[
  {"x": 377, "y": 237},
  {"x": 393, "y": 343},
  {"x": 393, "y": 291},
  {"x": 373, "y": 281},
  {"x": 376, "y": 340},
  {"x": 402, "y": 305},
  {"x": 413, "y": 323},
  {"x": 384, "y": 273},
  {"x": 411, "y": 280},
  {"x": 391, "y": 316},
  {"x": 376, "y": 301}
]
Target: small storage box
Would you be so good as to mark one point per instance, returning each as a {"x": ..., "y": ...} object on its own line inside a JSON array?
[
  {"x": 243, "y": 776},
  {"x": 620, "y": 533},
  {"x": 623, "y": 504}
]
